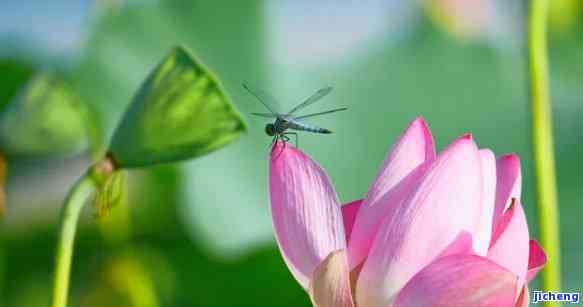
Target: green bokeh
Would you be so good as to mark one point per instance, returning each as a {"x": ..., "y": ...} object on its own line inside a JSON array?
[{"x": 44, "y": 118}]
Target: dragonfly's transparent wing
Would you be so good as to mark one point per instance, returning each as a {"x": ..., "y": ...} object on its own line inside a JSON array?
[
  {"x": 265, "y": 98},
  {"x": 267, "y": 115},
  {"x": 320, "y": 113},
  {"x": 315, "y": 97}
]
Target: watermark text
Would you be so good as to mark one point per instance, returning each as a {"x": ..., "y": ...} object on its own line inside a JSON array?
[{"x": 550, "y": 296}]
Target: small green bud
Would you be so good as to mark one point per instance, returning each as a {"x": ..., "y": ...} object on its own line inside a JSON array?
[{"x": 110, "y": 194}]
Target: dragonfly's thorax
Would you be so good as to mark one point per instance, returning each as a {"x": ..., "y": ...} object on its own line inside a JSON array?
[{"x": 280, "y": 125}]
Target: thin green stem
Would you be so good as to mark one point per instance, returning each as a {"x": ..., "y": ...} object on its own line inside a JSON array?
[
  {"x": 70, "y": 216},
  {"x": 542, "y": 141},
  {"x": 2, "y": 271}
]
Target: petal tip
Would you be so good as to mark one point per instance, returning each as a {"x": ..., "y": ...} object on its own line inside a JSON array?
[
  {"x": 420, "y": 123},
  {"x": 281, "y": 147},
  {"x": 463, "y": 141},
  {"x": 537, "y": 255},
  {"x": 511, "y": 158},
  {"x": 419, "y": 120},
  {"x": 536, "y": 260}
]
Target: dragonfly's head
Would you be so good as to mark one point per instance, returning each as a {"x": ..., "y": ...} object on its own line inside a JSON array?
[{"x": 270, "y": 129}]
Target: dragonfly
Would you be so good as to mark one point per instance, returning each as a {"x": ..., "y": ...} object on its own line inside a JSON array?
[{"x": 290, "y": 121}]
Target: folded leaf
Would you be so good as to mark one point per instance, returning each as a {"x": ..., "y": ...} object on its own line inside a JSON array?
[{"x": 180, "y": 112}]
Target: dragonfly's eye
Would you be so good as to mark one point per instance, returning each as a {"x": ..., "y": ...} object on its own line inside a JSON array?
[{"x": 270, "y": 129}]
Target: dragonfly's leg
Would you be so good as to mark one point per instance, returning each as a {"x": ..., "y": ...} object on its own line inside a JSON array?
[
  {"x": 294, "y": 134},
  {"x": 276, "y": 138},
  {"x": 273, "y": 141},
  {"x": 285, "y": 139}
]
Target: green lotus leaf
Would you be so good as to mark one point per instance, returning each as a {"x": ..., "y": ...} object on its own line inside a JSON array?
[
  {"x": 45, "y": 118},
  {"x": 180, "y": 112}
]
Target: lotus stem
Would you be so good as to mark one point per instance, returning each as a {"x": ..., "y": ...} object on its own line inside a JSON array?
[
  {"x": 70, "y": 216},
  {"x": 542, "y": 143}
]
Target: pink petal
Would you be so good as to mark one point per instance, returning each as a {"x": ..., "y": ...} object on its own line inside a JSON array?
[
  {"x": 459, "y": 281},
  {"x": 524, "y": 297},
  {"x": 536, "y": 260},
  {"x": 305, "y": 211},
  {"x": 462, "y": 245},
  {"x": 484, "y": 231},
  {"x": 510, "y": 242},
  {"x": 398, "y": 176},
  {"x": 508, "y": 185},
  {"x": 446, "y": 203},
  {"x": 330, "y": 285},
  {"x": 349, "y": 212}
]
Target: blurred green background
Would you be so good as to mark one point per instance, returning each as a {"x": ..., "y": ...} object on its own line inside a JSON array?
[{"x": 199, "y": 233}]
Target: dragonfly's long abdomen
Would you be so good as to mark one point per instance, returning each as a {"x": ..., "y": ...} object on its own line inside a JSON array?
[{"x": 295, "y": 125}]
